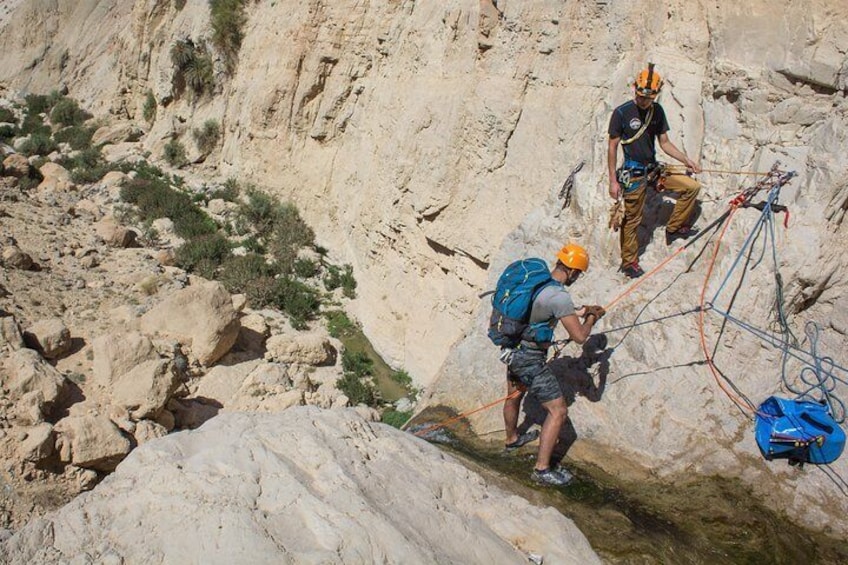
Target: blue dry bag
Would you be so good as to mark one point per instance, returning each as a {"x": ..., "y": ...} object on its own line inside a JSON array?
[
  {"x": 798, "y": 430},
  {"x": 512, "y": 303}
]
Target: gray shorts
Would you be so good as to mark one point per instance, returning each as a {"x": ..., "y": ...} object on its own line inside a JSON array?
[{"x": 529, "y": 367}]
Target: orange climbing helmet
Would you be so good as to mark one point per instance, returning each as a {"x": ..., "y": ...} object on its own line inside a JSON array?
[
  {"x": 574, "y": 257},
  {"x": 648, "y": 83}
]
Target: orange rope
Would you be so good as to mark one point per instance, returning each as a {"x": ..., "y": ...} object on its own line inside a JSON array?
[
  {"x": 645, "y": 277},
  {"x": 702, "y": 322},
  {"x": 444, "y": 423}
]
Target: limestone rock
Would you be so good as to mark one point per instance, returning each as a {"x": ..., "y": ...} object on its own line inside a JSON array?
[
  {"x": 146, "y": 430},
  {"x": 305, "y": 348},
  {"x": 50, "y": 337},
  {"x": 115, "y": 234},
  {"x": 116, "y": 355},
  {"x": 34, "y": 384},
  {"x": 116, "y": 133},
  {"x": 253, "y": 332},
  {"x": 15, "y": 258},
  {"x": 200, "y": 316},
  {"x": 16, "y": 165},
  {"x": 56, "y": 178},
  {"x": 10, "y": 333},
  {"x": 91, "y": 442},
  {"x": 301, "y": 486},
  {"x": 145, "y": 390},
  {"x": 38, "y": 445}
]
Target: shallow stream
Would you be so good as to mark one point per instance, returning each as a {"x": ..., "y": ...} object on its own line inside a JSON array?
[{"x": 709, "y": 520}]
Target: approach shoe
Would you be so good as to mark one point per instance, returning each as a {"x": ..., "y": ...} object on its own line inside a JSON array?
[
  {"x": 557, "y": 477},
  {"x": 523, "y": 439},
  {"x": 632, "y": 270},
  {"x": 684, "y": 232}
]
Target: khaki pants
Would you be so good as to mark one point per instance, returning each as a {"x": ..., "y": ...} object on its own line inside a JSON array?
[{"x": 687, "y": 189}]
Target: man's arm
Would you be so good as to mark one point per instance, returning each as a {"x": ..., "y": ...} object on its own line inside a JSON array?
[
  {"x": 578, "y": 331},
  {"x": 672, "y": 151},
  {"x": 612, "y": 158}
]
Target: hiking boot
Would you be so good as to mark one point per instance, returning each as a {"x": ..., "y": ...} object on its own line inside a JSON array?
[
  {"x": 523, "y": 439},
  {"x": 558, "y": 477},
  {"x": 684, "y": 232},
  {"x": 632, "y": 270}
]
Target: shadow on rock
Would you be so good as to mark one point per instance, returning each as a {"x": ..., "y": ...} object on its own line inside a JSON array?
[{"x": 575, "y": 378}]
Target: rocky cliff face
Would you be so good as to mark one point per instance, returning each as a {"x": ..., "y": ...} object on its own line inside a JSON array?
[{"x": 428, "y": 142}]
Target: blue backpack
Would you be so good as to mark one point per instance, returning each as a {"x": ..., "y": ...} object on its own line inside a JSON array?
[
  {"x": 798, "y": 430},
  {"x": 512, "y": 303}
]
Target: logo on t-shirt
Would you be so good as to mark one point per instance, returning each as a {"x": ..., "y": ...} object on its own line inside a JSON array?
[{"x": 635, "y": 123}]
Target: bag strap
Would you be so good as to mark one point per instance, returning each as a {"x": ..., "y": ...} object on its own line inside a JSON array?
[{"x": 642, "y": 130}]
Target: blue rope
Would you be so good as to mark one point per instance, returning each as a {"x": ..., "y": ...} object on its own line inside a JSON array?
[
  {"x": 784, "y": 345},
  {"x": 764, "y": 216}
]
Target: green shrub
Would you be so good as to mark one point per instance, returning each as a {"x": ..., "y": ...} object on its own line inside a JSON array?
[
  {"x": 7, "y": 116},
  {"x": 148, "y": 111},
  {"x": 8, "y": 133},
  {"x": 155, "y": 199},
  {"x": 253, "y": 245},
  {"x": 257, "y": 213},
  {"x": 357, "y": 390},
  {"x": 175, "y": 154},
  {"x": 78, "y": 137},
  {"x": 299, "y": 301},
  {"x": 38, "y": 144},
  {"x": 179, "y": 4},
  {"x": 341, "y": 277},
  {"x": 88, "y": 166},
  {"x": 68, "y": 113},
  {"x": 305, "y": 268},
  {"x": 203, "y": 254},
  {"x": 194, "y": 68},
  {"x": 38, "y": 103},
  {"x": 288, "y": 235},
  {"x": 228, "y": 19},
  {"x": 207, "y": 137},
  {"x": 402, "y": 378},
  {"x": 229, "y": 192},
  {"x": 339, "y": 324},
  {"x": 358, "y": 363},
  {"x": 394, "y": 418},
  {"x": 238, "y": 272},
  {"x": 357, "y": 367}
]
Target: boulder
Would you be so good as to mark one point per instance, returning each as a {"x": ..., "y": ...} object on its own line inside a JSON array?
[
  {"x": 34, "y": 384},
  {"x": 50, "y": 337},
  {"x": 145, "y": 390},
  {"x": 303, "y": 348},
  {"x": 114, "y": 234},
  {"x": 16, "y": 165},
  {"x": 91, "y": 442},
  {"x": 10, "y": 333},
  {"x": 56, "y": 178},
  {"x": 252, "y": 333},
  {"x": 38, "y": 444},
  {"x": 200, "y": 316},
  {"x": 116, "y": 133},
  {"x": 300, "y": 486},
  {"x": 117, "y": 354},
  {"x": 15, "y": 258},
  {"x": 146, "y": 430}
]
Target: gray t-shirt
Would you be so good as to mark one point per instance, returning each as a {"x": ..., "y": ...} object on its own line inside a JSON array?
[{"x": 551, "y": 304}]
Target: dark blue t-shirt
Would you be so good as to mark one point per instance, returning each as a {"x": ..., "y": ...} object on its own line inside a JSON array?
[{"x": 627, "y": 119}]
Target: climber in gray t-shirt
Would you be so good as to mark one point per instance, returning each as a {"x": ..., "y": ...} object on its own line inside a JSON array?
[{"x": 528, "y": 370}]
